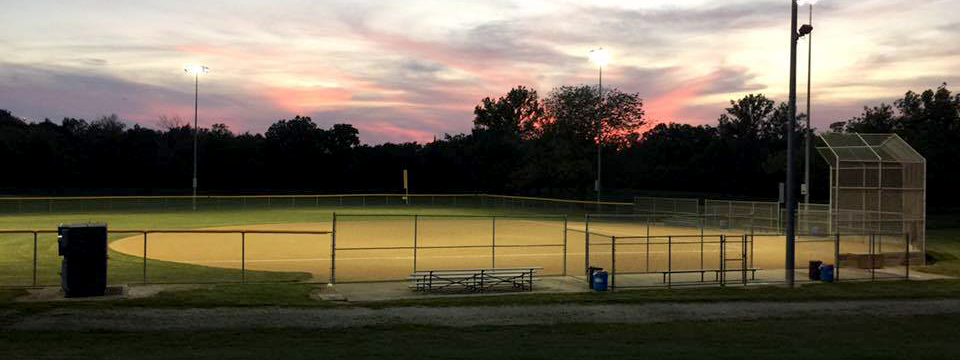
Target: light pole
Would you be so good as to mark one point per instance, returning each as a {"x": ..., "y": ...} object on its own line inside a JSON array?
[
  {"x": 196, "y": 70},
  {"x": 809, "y": 133},
  {"x": 601, "y": 58},
  {"x": 795, "y": 35}
]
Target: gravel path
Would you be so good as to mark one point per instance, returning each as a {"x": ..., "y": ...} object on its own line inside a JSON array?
[{"x": 251, "y": 318}]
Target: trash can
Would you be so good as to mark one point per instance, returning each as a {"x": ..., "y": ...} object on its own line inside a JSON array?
[
  {"x": 815, "y": 269},
  {"x": 600, "y": 280},
  {"x": 826, "y": 273},
  {"x": 590, "y": 271},
  {"x": 83, "y": 270}
]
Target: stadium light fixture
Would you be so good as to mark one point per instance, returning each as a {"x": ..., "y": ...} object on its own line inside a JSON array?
[
  {"x": 601, "y": 58},
  {"x": 195, "y": 70}
]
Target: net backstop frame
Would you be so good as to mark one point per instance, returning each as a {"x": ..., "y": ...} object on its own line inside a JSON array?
[{"x": 877, "y": 184}]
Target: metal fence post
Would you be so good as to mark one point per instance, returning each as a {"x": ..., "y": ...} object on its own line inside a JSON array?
[
  {"x": 493, "y": 243},
  {"x": 243, "y": 256},
  {"x": 564, "y": 245},
  {"x": 333, "y": 251},
  {"x": 613, "y": 263},
  {"x": 669, "y": 261},
  {"x": 701, "y": 243},
  {"x": 586, "y": 246},
  {"x": 416, "y": 221},
  {"x": 35, "y": 258},
  {"x": 723, "y": 264},
  {"x": 743, "y": 255},
  {"x": 836, "y": 257},
  {"x": 907, "y": 252},
  {"x": 647, "y": 261},
  {"x": 873, "y": 261},
  {"x": 144, "y": 257}
]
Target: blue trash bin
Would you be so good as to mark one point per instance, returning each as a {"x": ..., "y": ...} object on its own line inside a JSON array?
[
  {"x": 826, "y": 273},
  {"x": 590, "y": 272},
  {"x": 600, "y": 281}
]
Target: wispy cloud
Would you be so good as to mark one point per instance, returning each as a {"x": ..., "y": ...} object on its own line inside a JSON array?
[{"x": 409, "y": 70}]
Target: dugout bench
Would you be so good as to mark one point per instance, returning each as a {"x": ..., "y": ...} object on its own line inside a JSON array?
[{"x": 474, "y": 280}]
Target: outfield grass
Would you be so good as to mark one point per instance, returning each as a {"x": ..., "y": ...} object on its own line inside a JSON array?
[{"x": 816, "y": 337}]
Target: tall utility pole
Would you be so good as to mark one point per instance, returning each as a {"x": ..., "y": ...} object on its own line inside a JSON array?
[
  {"x": 599, "y": 131},
  {"x": 196, "y": 70},
  {"x": 791, "y": 119},
  {"x": 795, "y": 36},
  {"x": 809, "y": 133},
  {"x": 600, "y": 57},
  {"x": 196, "y": 105}
]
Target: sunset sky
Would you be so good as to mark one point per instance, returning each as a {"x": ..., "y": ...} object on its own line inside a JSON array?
[{"x": 410, "y": 70}]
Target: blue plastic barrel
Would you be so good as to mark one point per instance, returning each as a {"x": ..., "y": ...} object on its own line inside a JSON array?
[
  {"x": 826, "y": 273},
  {"x": 600, "y": 281}
]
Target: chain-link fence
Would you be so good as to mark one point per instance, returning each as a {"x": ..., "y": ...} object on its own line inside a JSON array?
[
  {"x": 385, "y": 247},
  {"x": 176, "y": 256},
  {"x": 659, "y": 260}
]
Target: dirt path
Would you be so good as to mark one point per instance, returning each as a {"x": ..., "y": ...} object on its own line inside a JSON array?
[{"x": 250, "y": 318}]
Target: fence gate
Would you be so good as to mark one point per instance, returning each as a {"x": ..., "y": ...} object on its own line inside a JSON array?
[{"x": 735, "y": 260}]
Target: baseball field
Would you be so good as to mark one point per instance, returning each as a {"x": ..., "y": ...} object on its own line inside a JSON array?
[{"x": 384, "y": 243}]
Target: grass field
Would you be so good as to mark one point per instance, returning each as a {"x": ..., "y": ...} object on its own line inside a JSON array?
[{"x": 843, "y": 337}]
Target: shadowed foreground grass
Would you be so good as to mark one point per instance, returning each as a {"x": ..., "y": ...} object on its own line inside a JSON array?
[
  {"x": 918, "y": 337},
  {"x": 298, "y": 295}
]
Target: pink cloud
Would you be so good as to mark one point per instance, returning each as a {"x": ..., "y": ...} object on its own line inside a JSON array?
[{"x": 391, "y": 132}]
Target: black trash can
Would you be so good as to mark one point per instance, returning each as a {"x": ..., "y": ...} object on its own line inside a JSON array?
[
  {"x": 815, "y": 270},
  {"x": 83, "y": 271},
  {"x": 590, "y": 271}
]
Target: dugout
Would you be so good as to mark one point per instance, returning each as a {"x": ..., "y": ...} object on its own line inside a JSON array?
[{"x": 877, "y": 185}]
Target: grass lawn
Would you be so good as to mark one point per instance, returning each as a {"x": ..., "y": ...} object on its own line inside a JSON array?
[
  {"x": 298, "y": 295},
  {"x": 818, "y": 337}
]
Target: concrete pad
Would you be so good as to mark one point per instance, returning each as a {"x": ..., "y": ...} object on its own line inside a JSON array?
[
  {"x": 56, "y": 294},
  {"x": 118, "y": 292}
]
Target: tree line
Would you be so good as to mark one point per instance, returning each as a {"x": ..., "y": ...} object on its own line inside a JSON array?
[{"x": 521, "y": 143}]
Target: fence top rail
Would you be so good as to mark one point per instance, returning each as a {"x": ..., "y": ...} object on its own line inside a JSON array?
[
  {"x": 185, "y": 197},
  {"x": 718, "y": 202},
  {"x": 667, "y": 198},
  {"x": 559, "y": 200},
  {"x": 180, "y": 231},
  {"x": 649, "y": 215},
  {"x": 522, "y": 216},
  {"x": 589, "y": 232}
]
